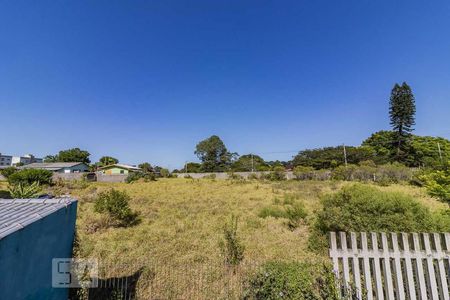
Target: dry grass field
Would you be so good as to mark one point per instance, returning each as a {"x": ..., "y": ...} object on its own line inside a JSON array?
[{"x": 182, "y": 225}]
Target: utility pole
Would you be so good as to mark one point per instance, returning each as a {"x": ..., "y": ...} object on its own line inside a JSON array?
[
  {"x": 440, "y": 153},
  {"x": 345, "y": 155},
  {"x": 253, "y": 165},
  {"x": 185, "y": 167}
]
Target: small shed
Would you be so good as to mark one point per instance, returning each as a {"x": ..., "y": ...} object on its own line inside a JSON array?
[{"x": 32, "y": 233}]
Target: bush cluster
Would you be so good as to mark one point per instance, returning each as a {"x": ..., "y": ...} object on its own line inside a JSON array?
[
  {"x": 29, "y": 176},
  {"x": 294, "y": 212},
  {"x": 116, "y": 205},
  {"x": 366, "y": 208},
  {"x": 292, "y": 280},
  {"x": 144, "y": 176},
  {"x": 232, "y": 248}
]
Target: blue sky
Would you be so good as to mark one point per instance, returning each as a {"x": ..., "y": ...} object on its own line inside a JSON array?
[{"x": 147, "y": 80}]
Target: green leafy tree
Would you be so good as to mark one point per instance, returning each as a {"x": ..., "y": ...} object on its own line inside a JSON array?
[
  {"x": 437, "y": 184},
  {"x": 51, "y": 158},
  {"x": 146, "y": 167},
  {"x": 213, "y": 154},
  {"x": 249, "y": 162},
  {"x": 402, "y": 114},
  {"x": 332, "y": 157},
  {"x": 107, "y": 160},
  {"x": 70, "y": 155},
  {"x": 421, "y": 151},
  {"x": 192, "y": 167}
]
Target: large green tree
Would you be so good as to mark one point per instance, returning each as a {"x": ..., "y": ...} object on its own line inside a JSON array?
[
  {"x": 420, "y": 151},
  {"x": 249, "y": 162},
  {"x": 402, "y": 110},
  {"x": 213, "y": 154},
  {"x": 107, "y": 160},
  {"x": 330, "y": 157},
  {"x": 70, "y": 155},
  {"x": 146, "y": 167}
]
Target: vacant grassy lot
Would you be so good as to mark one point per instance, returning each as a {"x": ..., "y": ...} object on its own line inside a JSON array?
[{"x": 182, "y": 225}]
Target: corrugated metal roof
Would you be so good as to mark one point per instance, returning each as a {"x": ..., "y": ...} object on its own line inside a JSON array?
[
  {"x": 123, "y": 166},
  {"x": 53, "y": 166},
  {"x": 18, "y": 213}
]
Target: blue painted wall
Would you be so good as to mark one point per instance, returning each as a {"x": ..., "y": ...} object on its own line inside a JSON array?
[{"x": 26, "y": 256}]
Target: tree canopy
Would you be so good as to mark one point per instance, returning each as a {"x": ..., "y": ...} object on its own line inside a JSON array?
[
  {"x": 107, "y": 160},
  {"x": 331, "y": 157},
  {"x": 70, "y": 155},
  {"x": 213, "y": 154},
  {"x": 249, "y": 162},
  {"x": 402, "y": 109}
]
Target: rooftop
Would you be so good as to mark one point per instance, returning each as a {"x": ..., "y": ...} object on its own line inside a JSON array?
[
  {"x": 15, "y": 214},
  {"x": 129, "y": 167},
  {"x": 51, "y": 166}
]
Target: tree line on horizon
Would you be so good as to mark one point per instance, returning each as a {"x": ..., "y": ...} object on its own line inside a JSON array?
[{"x": 397, "y": 145}]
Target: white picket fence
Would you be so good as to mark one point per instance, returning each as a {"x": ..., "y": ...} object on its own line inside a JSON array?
[{"x": 403, "y": 266}]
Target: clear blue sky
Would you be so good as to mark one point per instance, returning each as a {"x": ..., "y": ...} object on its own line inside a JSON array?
[{"x": 147, "y": 80}]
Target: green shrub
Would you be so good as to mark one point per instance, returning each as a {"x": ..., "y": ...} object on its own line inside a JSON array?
[
  {"x": 232, "y": 248},
  {"x": 272, "y": 211},
  {"x": 366, "y": 208},
  {"x": 292, "y": 280},
  {"x": 6, "y": 172},
  {"x": 295, "y": 214},
  {"x": 437, "y": 184},
  {"x": 209, "y": 176},
  {"x": 115, "y": 204},
  {"x": 164, "y": 173},
  {"x": 252, "y": 176},
  {"x": 278, "y": 173},
  {"x": 25, "y": 191},
  {"x": 29, "y": 176},
  {"x": 135, "y": 176},
  {"x": 303, "y": 173}
]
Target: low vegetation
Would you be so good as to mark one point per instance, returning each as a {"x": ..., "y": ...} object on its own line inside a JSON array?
[
  {"x": 115, "y": 204},
  {"x": 279, "y": 225},
  {"x": 292, "y": 280}
]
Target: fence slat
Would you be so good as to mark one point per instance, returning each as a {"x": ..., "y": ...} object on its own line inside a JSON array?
[
  {"x": 442, "y": 275},
  {"x": 345, "y": 267},
  {"x": 398, "y": 268},
  {"x": 356, "y": 271},
  {"x": 334, "y": 254},
  {"x": 377, "y": 275},
  {"x": 430, "y": 266},
  {"x": 367, "y": 274},
  {"x": 409, "y": 269},
  {"x": 424, "y": 270},
  {"x": 387, "y": 266},
  {"x": 420, "y": 274}
]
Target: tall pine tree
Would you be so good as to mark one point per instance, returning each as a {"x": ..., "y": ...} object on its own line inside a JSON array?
[{"x": 402, "y": 110}]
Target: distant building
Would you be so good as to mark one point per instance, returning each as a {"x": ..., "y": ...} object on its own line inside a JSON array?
[
  {"x": 9, "y": 160},
  {"x": 59, "y": 167},
  {"x": 119, "y": 169},
  {"x": 25, "y": 160},
  {"x": 33, "y": 232},
  {"x": 5, "y": 160}
]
